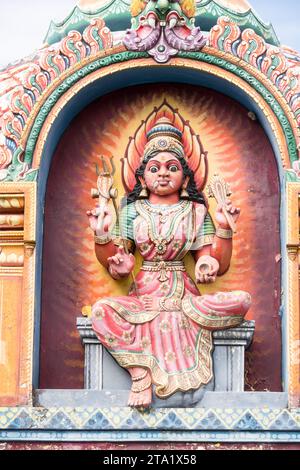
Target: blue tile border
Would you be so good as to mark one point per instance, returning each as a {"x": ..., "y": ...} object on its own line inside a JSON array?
[
  {"x": 126, "y": 424},
  {"x": 150, "y": 436}
]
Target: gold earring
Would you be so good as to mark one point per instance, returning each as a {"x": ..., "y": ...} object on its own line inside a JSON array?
[
  {"x": 144, "y": 193},
  {"x": 184, "y": 194}
]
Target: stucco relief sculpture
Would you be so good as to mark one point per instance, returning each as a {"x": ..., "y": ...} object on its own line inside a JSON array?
[
  {"x": 163, "y": 28},
  {"x": 161, "y": 332}
]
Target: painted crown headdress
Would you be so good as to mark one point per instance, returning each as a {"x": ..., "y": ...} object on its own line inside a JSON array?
[
  {"x": 164, "y": 137},
  {"x": 164, "y": 130}
]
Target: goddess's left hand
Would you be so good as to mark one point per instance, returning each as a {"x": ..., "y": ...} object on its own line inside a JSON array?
[
  {"x": 206, "y": 269},
  {"x": 121, "y": 264},
  {"x": 220, "y": 217}
]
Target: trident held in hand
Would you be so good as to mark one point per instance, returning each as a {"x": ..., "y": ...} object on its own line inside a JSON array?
[{"x": 106, "y": 192}]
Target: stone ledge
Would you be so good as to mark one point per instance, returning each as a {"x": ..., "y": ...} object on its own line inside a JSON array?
[{"x": 105, "y": 398}]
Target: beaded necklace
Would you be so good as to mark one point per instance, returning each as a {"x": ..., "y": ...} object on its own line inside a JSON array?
[
  {"x": 164, "y": 212},
  {"x": 161, "y": 241}
]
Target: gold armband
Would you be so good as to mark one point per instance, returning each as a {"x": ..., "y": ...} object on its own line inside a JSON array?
[
  {"x": 102, "y": 239},
  {"x": 224, "y": 233},
  {"x": 120, "y": 242}
]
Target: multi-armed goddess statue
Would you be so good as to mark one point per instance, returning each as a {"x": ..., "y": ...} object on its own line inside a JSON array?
[{"x": 161, "y": 332}]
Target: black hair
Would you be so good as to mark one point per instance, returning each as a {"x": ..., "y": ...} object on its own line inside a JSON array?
[{"x": 194, "y": 194}]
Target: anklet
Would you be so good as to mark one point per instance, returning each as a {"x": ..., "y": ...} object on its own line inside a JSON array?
[
  {"x": 140, "y": 377},
  {"x": 137, "y": 388}
]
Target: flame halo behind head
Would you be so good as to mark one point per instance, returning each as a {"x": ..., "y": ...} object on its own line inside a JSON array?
[{"x": 164, "y": 130}]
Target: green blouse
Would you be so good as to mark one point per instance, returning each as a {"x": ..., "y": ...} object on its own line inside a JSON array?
[{"x": 204, "y": 233}]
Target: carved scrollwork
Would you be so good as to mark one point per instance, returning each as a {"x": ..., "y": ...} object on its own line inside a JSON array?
[
  {"x": 5, "y": 156},
  {"x": 272, "y": 61},
  {"x": 162, "y": 29},
  {"x": 24, "y": 113},
  {"x": 35, "y": 79},
  {"x": 251, "y": 47}
]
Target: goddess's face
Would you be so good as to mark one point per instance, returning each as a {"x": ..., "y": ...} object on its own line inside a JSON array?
[{"x": 163, "y": 174}]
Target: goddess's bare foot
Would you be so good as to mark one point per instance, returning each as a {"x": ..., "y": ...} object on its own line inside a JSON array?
[
  {"x": 140, "y": 399},
  {"x": 141, "y": 390}
]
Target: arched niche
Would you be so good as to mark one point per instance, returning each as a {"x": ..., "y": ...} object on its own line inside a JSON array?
[{"x": 68, "y": 163}]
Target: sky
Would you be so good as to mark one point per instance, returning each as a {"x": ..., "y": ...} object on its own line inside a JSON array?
[
  {"x": 24, "y": 23},
  {"x": 284, "y": 15}
]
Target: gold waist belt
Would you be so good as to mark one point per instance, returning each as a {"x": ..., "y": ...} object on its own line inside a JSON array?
[{"x": 163, "y": 267}]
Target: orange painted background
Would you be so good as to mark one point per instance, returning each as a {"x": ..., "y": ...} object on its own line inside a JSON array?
[{"x": 237, "y": 148}]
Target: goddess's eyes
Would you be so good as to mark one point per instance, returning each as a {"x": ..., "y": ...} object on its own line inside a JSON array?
[
  {"x": 173, "y": 168},
  {"x": 153, "y": 169}
]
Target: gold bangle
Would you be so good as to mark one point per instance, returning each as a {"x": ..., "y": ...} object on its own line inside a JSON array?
[
  {"x": 120, "y": 242},
  {"x": 224, "y": 233},
  {"x": 102, "y": 240}
]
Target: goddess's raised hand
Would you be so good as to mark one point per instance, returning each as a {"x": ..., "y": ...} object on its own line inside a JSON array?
[
  {"x": 100, "y": 219},
  {"x": 232, "y": 210}
]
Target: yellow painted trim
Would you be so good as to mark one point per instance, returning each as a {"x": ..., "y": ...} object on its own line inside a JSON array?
[
  {"x": 293, "y": 308},
  {"x": 22, "y": 395}
]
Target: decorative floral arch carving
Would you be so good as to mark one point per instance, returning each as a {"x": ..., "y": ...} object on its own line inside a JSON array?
[{"x": 28, "y": 86}]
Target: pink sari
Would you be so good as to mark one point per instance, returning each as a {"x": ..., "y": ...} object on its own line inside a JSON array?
[{"x": 174, "y": 345}]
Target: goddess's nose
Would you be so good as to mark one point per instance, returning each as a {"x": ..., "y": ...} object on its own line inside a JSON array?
[{"x": 163, "y": 171}]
